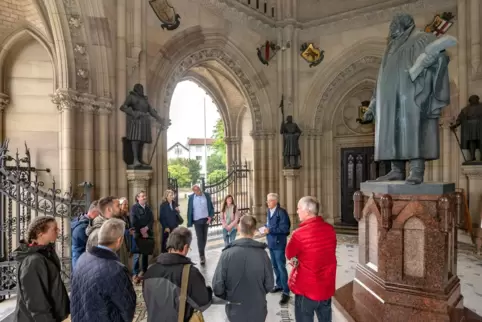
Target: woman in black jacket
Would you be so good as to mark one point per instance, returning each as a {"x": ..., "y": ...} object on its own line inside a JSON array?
[
  {"x": 168, "y": 217},
  {"x": 142, "y": 222},
  {"x": 41, "y": 293}
]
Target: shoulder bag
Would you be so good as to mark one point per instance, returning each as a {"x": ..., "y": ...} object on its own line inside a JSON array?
[{"x": 196, "y": 316}]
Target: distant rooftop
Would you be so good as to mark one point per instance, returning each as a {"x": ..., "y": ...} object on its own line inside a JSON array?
[{"x": 200, "y": 141}]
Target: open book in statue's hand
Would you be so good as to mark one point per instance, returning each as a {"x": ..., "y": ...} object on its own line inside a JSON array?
[{"x": 430, "y": 55}]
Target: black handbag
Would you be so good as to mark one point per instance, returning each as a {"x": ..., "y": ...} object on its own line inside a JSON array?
[
  {"x": 145, "y": 246},
  {"x": 180, "y": 220}
]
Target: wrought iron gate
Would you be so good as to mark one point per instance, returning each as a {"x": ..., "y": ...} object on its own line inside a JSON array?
[
  {"x": 23, "y": 197},
  {"x": 236, "y": 184},
  {"x": 173, "y": 185}
]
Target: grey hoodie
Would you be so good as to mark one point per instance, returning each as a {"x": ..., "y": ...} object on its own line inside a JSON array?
[{"x": 92, "y": 231}]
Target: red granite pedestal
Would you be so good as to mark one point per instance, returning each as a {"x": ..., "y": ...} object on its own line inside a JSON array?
[{"x": 407, "y": 269}]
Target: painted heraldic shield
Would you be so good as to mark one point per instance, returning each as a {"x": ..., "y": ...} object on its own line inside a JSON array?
[{"x": 440, "y": 24}]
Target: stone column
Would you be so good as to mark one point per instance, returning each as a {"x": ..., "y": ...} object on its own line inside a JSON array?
[
  {"x": 87, "y": 108},
  {"x": 474, "y": 192},
  {"x": 272, "y": 162},
  {"x": 230, "y": 151},
  {"x": 4, "y": 102},
  {"x": 257, "y": 176},
  {"x": 292, "y": 176},
  {"x": 66, "y": 101},
  {"x": 105, "y": 109}
]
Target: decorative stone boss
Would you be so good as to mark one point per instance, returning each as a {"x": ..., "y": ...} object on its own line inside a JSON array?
[{"x": 412, "y": 89}]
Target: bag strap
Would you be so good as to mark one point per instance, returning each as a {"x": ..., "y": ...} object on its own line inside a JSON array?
[{"x": 183, "y": 297}]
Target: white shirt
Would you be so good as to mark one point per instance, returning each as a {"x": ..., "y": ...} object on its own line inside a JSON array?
[{"x": 272, "y": 211}]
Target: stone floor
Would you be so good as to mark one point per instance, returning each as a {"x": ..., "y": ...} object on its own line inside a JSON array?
[{"x": 469, "y": 269}]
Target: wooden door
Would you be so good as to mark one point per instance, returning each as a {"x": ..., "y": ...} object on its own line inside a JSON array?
[{"x": 357, "y": 165}]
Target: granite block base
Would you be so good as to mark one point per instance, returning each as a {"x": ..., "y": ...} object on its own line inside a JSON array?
[{"x": 407, "y": 267}]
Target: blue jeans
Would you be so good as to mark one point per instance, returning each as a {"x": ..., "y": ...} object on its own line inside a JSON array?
[
  {"x": 278, "y": 260},
  {"x": 145, "y": 263},
  {"x": 229, "y": 237},
  {"x": 305, "y": 309}
]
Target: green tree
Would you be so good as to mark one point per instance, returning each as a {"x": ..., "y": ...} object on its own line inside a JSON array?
[
  {"x": 193, "y": 166},
  {"x": 216, "y": 176},
  {"x": 219, "y": 146},
  {"x": 181, "y": 173},
  {"x": 215, "y": 162}
]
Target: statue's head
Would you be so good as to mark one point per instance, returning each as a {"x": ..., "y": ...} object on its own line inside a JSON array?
[
  {"x": 139, "y": 89},
  {"x": 289, "y": 119},
  {"x": 474, "y": 100},
  {"x": 401, "y": 22}
]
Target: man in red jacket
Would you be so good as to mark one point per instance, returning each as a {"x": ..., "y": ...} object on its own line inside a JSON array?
[{"x": 312, "y": 252}]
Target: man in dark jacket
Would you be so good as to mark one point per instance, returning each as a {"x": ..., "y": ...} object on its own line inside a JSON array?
[
  {"x": 162, "y": 282},
  {"x": 277, "y": 229},
  {"x": 79, "y": 237},
  {"x": 101, "y": 286},
  {"x": 244, "y": 276},
  {"x": 200, "y": 212}
]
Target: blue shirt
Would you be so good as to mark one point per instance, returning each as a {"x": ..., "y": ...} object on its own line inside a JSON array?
[{"x": 200, "y": 207}]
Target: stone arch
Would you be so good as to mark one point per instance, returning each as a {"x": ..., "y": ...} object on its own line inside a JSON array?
[
  {"x": 198, "y": 46},
  {"x": 215, "y": 95},
  {"x": 15, "y": 39},
  {"x": 362, "y": 58}
]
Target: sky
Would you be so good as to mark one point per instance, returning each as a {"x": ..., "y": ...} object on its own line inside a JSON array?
[{"x": 186, "y": 113}]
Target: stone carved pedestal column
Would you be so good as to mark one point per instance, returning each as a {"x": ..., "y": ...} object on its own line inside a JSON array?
[
  {"x": 291, "y": 176},
  {"x": 474, "y": 193},
  {"x": 139, "y": 180},
  {"x": 407, "y": 266}
]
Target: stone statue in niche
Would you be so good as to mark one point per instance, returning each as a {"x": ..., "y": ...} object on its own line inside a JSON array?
[
  {"x": 409, "y": 98},
  {"x": 291, "y": 146},
  {"x": 138, "y": 129},
  {"x": 470, "y": 120}
]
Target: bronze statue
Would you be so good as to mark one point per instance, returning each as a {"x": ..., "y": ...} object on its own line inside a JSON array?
[
  {"x": 291, "y": 147},
  {"x": 412, "y": 89},
  {"x": 138, "y": 131},
  {"x": 470, "y": 120}
]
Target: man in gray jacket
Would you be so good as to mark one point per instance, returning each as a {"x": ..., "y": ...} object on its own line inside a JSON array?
[{"x": 244, "y": 276}]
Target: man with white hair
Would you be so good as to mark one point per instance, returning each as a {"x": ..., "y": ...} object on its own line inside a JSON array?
[
  {"x": 101, "y": 286},
  {"x": 200, "y": 212},
  {"x": 312, "y": 251},
  {"x": 277, "y": 228}
]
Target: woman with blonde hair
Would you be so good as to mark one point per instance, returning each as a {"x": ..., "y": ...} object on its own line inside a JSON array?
[
  {"x": 41, "y": 292},
  {"x": 229, "y": 220},
  {"x": 169, "y": 217}
]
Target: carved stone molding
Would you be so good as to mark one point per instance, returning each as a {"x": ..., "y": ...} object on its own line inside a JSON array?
[
  {"x": 232, "y": 65},
  {"x": 68, "y": 99},
  {"x": 291, "y": 173},
  {"x": 313, "y": 134},
  {"x": 262, "y": 135},
  {"x": 77, "y": 35},
  {"x": 345, "y": 74},
  {"x": 232, "y": 140},
  {"x": 139, "y": 176},
  {"x": 4, "y": 101},
  {"x": 472, "y": 171}
]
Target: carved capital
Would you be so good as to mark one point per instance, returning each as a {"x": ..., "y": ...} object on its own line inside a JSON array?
[
  {"x": 262, "y": 135},
  {"x": 472, "y": 171},
  {"x": 4, "y": 101},
  {"x": 87, "y": 103},
  {"x": 65, "y": 99},
  {"x": 105, "y": 106}
]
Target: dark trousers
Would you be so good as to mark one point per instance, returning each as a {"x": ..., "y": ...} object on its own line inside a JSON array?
[
  {"x": 165, "y": 236},
  {"x": 305, "y": 309},
  {"x": 144, "y": 259},
  {"x": 278, "y": 260},
  {"x": 201, "y": 227}
]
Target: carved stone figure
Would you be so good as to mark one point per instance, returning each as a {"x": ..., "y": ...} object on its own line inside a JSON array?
[
  {"x": 138, "y": 131},
  {"x": 291, "y": 147},
  {"x": 470, "y": 120},
  {"x": 407, "y": 106}
]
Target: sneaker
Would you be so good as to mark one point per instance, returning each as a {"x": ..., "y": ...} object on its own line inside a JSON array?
[
  {"x": 203, "y": 260},
  {"x": 276, "y": 289},
  {"x": 284, "y": 299}
]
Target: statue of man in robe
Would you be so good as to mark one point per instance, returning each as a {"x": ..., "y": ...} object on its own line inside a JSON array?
[
  {"x": 470, "y": 119},
  {"x": 407, "y": 106},
  {"x": 138, "y": 131},
  {"x": 291, "y": 147}
]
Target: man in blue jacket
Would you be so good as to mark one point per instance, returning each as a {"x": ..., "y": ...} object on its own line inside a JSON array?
[
  {"x": 200, "y": 211},
  {"x": 78, "y": 227},
  {"x": 278, "y": 226}
]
